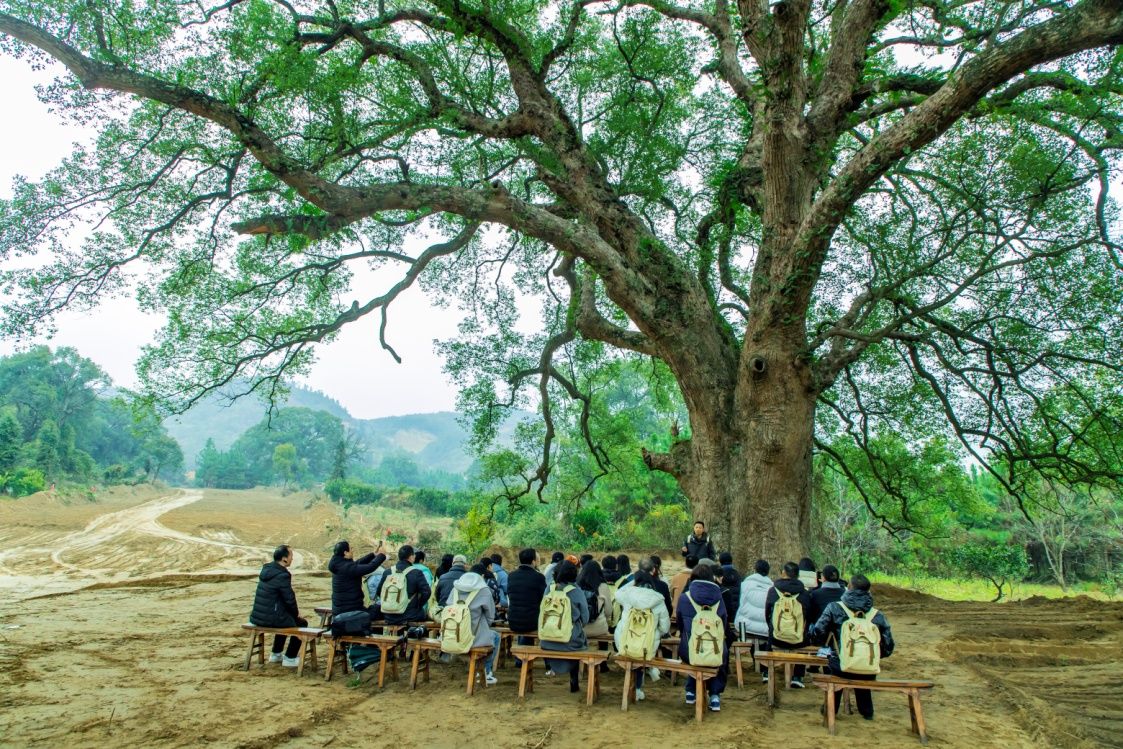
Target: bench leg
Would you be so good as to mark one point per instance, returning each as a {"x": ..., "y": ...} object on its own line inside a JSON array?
[
  {"x": 918, "y": 716},
  {"x": 333, "y": 651},
  {"x": 699, "y": 697},
  {"x": 385, "y": 655},
  {"x": 772, "y": 687},
  {"x": 789, "y": 669},
  {"x": 830, "y": 710},
  {"x": 740, "y": 671},
  {"x": 524, "y": 673},
  {"x": 471, "y": 674},
  {"x": 304, "y": 644},
  {"x": 249, "y": 653},
  {"x": 627, "y": 687},
  {"x": 591, "y": 686},
  {"x": 315, "y": 656}
]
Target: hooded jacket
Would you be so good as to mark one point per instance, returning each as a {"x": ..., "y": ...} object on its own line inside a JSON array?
[
  {"x": 634, "y": 597},
  {"x": 791, "y": 587},
  {"x": 525, "y": 588},
  {"x": 417, "y": 589},
  {"x": 482, "y": 607},
  {"x": 347, "y": 580},
  {"x": 274, "y": 602},
  {"x": 731, "y": 587},
  {"x": 830, "y": 623},
  {"x": 704, "y": 593},
  {"x": 750, "y": 614},
  {"x": 825, "y": 594},
  {"x": 699, "y": 548},
  {"x": 446, "y": 581}
]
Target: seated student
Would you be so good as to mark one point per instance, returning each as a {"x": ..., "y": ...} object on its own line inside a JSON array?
[
  {"x": 408, "y": 591},
  {"x": 858, "y": 602},
  {"x": 482, "y": 608},
  {"x": 641, "y": 594},
  {"x": 274, "y": 605},
  {"x": 347, "y": 575},
  {"x": 786, "y": 608},
  {"x": 704, "y": 592},
  {"x": 730, "y": 581},
  {"x": 661, "y": 586},
  {"x": 483, "y": 569},
  {"x": 525, "y": 588},
  {"x": 608, "y": 568},
  {"x": 555, "y": 559},
  {"x": 808, "y": 574},
  {"x": 750, "y": 621},
  {"x": 598, "y": 597},
  {"x": 680, "y": 581},
  {"x": 443, "y": 567},
  {"x": 445, "y": 581},
  {"x": 566, "y": 575},
  {"x": 623, "y": 565},
  {"x": 419, "y": 564},
  {"x": 501, "y": 577},
  {"x": 829, "y": 591},
  {"x": 581, "y": 561}
]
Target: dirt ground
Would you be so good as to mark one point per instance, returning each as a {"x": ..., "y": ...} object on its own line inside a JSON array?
[{"x": 119, "y": 626}]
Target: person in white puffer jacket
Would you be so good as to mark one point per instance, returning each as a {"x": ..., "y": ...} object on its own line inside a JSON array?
[
  {"x": 641, "y": 594},
  {"x": 750, "y": 622}
]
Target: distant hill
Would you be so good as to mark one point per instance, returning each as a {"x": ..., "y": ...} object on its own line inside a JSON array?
[{"x": 432, "y": 440}]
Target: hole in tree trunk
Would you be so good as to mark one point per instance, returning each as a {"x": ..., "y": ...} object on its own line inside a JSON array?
[{"x": 758, "y": 364}]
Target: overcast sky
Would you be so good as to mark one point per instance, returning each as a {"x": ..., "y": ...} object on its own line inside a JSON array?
[{"x": 354, "y": 369}]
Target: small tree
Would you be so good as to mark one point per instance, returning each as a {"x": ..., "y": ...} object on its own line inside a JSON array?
[
  {"x": 284, "y": 463},
  {"x": 998, "y": 562}
]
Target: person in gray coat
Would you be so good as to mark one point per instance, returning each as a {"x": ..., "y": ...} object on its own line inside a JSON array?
[
  {"x": 483, "y": 614},
  {"x": 566, "y": 574}
]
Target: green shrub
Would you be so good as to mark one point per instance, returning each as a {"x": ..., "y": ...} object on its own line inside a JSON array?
[
  {"x": 22, "y": 481},
  {"x": 352, "y": 492}
]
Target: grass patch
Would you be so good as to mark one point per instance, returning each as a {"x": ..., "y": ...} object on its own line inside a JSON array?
[{"x": 981, "y": 590}]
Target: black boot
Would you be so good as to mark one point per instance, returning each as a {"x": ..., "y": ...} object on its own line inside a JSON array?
[{"x": 573, "y": 684}]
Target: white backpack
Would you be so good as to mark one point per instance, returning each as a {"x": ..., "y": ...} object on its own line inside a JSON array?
[
  {"x": 859, "y": 651},
  {"x": 395, "y": 593},
  {"x": 787, "y": 619},
  {"x": 706, "y": 646},
  {"x": 639, "y": 635},
  {"x": 555, "y": 618},
  {"x": 457, "y": 635}
]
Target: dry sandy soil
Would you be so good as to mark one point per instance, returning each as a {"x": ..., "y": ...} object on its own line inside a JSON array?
[{"x": 119, "y": 626}]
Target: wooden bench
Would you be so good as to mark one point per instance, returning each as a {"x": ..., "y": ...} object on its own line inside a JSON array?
[
  {"x": 737, "y": 649},
  {"x": 324, "y": 612},
  {"x": 385, "y": 644},
  {"x": 420, "y": 655},
  {"x": 507, "y": 639},
  {"x": 590, "y": 660},
  {"x": 306, "y": 635},
  {"x": 701, "y": 675},
  {"x": 788, "y": 659},
  {"x": 911, "y": 689}
]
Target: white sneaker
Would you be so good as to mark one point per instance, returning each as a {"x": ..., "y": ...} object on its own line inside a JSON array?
[
  {"x": 276, "y": 657},
  {"x": 654, "y": 674},
  {"x": 490, "y": 679},
  {"x": 549, "y": 672},
  {"x": 290, "y": 662},
  {"x": 640, "y": 696}
]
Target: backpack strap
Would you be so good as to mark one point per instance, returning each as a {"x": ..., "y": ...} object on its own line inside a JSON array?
[
  {"x": 871, "y": 614},
  {"x": 849, "y": 614},
  {"x": 697, "y": 606}
]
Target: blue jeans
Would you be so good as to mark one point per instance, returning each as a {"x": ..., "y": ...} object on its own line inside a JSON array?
[
  {"x": 714, "y": 686},
  {"x": 489, "y": 662}
]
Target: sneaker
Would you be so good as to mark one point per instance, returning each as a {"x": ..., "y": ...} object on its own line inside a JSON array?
[
  {"x": 290, "y": 662},
  {"x": 653, "y": 674},
  {"x": 549, "y": 672},
  {"x": 764, "y": 679},
  {"x": 715, "y": 703},
  {"x": 640, "y": 696},
  {"x": 490, "y": 679},
  {"x": 690, "y": 698},
  {"x": 797, "y": 684},
  {"x": 276, "y": 657}
]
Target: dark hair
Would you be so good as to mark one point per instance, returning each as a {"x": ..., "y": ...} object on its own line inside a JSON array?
[
  {"x": 556, "y": 557},
  {"x": 830, "y": 573},
  {"x": 699, "y": 522},
  {"x": 703, "y": 572},
  {"x": 691, "y": 562},
  {"x": 623, "y": 564},
  {"x": 527, "y": 556},
  {"x": 807, "y": 565},
  {"x": 497, "y": 558},
  {"x": 585, "y": 558},
  {"x": 418, "y": 557},
  {"x": 643, "y": 580},
  {"x": 609, "y": 562},
  {"x": 445, "y": 565},
  {"x": 791, "y": 570},
  {"x": 860, "y": 582},
  {"x": 340, "y": 548},
  {"x": 656, "y": 561},
  {"x": 280, "y": 552},
  {"x": 479, "y": 568},
  {"x": 761, "y": 567},
  {"x": 590, "y": 577},
  {"x": 725, "y": 558},
  {"x": 565, "y": 572},
  {"x": 405, "y": 553}
]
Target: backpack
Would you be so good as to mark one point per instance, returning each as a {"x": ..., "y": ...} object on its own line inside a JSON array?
[
  {"x": 433, "y": 608},
  {"x": 638, "y": 635},
  {"x": 592, "y": 598},
  {"x": 787, "y": 619},
  {"x": 616, "y": 610},
  {"x": 555, "y": 619},
  {"x": 860, "y": 648},
  {"x": 350, "y": 623},
  {"x": 361, "y": 656},
  {"x": 706, "y": 646},
  {"x": 395, "y": 593},
  {"x": 456, "y": 625}
]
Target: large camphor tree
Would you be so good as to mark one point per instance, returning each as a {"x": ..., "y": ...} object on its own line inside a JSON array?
[{"x": 825, "y": 219}]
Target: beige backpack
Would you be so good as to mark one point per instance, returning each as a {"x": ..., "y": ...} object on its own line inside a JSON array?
[
  {"x": 639, "y": 635},
  {"x": 787, "y": 619},
  {"x": 555, "y": 618},
  {"x": 395, "y": 595},
  {"x": 456, "y": 624},
  {"x": 615, "y": 610},
  {"x": 859, "y": 651},
  {"x": 706, "y": 646}
]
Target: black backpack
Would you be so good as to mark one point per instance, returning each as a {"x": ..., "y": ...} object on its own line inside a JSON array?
[
  {"x": 593, "y": 599},
  {"x": 350, "y": 623}
]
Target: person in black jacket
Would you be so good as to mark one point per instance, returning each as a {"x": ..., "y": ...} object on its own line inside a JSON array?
[
  {"x": 347, "y": 575},
  {"x": 446, "y": 581},
  {"x": 858, "y": 599},
  {"x": 417, "y": 588},
  {"x": 699, "y": 545},
  {"x": 608, "y": 567},
  {"x": 730, "y": 583},
  {"x": 829, "y": 591},
  {"x": 790, "y": 585},
  {"x": 274, "y": 605},
  {"x": 659, "y": 584},
  {"x": 525, "y": 588}
]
